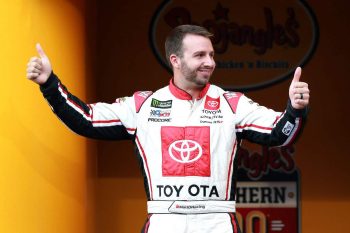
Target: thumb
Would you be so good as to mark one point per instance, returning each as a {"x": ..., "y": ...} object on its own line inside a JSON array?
[
  {"x": 297, "y": 75},
  {"x": 40, "y": 51}
]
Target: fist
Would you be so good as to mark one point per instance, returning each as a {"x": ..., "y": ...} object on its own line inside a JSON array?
[
  {"x": 39, "y": 68},
  {"x": 299, "y": 92}
]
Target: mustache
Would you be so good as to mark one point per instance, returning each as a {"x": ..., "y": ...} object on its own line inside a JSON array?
[{"x": 209, "y": 68}]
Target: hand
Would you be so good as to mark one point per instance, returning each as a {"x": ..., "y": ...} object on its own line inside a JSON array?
[
  {"x": 299, "y": 92},
  {"x": 39, "y": 68}
]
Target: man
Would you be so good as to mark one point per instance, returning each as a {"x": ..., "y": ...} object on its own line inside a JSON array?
[{"x": 186, "y": 133}]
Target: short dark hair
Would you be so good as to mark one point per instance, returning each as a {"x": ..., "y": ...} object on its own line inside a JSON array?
[{"x": 173, "y": 43}]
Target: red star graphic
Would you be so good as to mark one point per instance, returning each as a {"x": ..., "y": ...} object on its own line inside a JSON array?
[{"x": 220, "y": 12}]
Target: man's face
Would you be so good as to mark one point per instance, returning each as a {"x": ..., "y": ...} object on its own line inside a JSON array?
[{"x": 197, "y": 62}]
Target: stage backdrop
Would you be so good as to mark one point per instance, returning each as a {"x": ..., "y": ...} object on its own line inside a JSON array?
[
  {"x": 126, "y": 62},
  {"x": 102, "y": 50}
]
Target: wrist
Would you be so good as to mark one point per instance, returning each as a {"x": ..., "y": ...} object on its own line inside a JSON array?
[{"x": 295, "y": 112}]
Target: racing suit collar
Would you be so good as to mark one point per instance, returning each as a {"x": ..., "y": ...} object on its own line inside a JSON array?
[{"x": 183, "y": 95}]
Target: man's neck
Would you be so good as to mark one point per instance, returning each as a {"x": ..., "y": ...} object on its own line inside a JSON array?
[{"x": 190, "y": 88}]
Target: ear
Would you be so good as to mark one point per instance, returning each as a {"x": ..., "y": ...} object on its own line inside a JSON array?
[{"x": 175, "y": 61}]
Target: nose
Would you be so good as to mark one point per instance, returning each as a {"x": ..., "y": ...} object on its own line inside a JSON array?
[{"x": 209, "y": 61}]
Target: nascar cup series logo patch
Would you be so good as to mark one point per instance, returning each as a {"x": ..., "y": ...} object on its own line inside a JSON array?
[{"x": 257, "y": 43}]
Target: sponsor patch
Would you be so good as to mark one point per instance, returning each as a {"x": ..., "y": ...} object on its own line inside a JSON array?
[
  {"x": 185, "y": 151},
  {"x": 159, "y": 119},
  {"x": 211, "y": 117},
  {"x": 212, "y": 103},
  {"x": 161, "y": 104},
  {"x": 203, "y": 191},
  {"x": 160, "y": 113},
  {"x": 287, "y": 129}
]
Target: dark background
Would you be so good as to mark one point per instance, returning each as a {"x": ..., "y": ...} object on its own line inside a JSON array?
[{"x": 122, "y": 62}]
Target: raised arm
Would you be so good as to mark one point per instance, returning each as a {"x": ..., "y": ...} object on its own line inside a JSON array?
[
  {"x": 99, "y": 121},
  {"x": 264, "y": 126}
]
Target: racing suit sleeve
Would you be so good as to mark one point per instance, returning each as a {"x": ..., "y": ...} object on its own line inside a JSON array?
[
  {"x": 264, "y": 126},
  {"x": 99, "y": 121}
]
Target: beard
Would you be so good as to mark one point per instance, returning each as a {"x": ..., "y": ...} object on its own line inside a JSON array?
[{"x": 192, "y": 76}]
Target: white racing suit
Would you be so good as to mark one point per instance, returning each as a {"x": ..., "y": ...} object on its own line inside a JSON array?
[{"x": 186, "y": 147}]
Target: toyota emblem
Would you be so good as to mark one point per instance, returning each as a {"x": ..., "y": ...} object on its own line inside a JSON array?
[
  {"x": 212, "y": 103},
  {"x": 189, "y": 151}
]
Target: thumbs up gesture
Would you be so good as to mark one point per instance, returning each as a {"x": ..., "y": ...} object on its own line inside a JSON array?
[
  {"x": 39, "y": 68},
  {"x": 299, "y": 92}
]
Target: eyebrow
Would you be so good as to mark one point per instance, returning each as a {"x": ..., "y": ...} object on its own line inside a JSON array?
[{"x": 202, "y": 51}]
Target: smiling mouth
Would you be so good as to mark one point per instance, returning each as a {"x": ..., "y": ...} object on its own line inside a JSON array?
[{"x": 205, "y": 71}]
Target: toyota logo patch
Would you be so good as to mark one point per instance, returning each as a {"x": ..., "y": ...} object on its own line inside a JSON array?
[{"x": 188, "y": 151}]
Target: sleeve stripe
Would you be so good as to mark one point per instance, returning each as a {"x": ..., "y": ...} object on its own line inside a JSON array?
[
  {"x": 87, "y": 116},
  {"x": 145, "y": 164},
  {"x": 73, "y": 104},
  {"x": 230, "y": 170},
  {"x": 249, "y": 126},
  {"x": 103, "y": 124},
  {"x": 106, "y": 121},
  {"x": 279, "y": 118},
  {"x": 131, "y": 131}
]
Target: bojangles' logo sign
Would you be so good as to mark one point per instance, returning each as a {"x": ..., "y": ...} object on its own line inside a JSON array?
[
  {"x": 257, "y": 42},
  {"x": 267, "y": 194}
]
